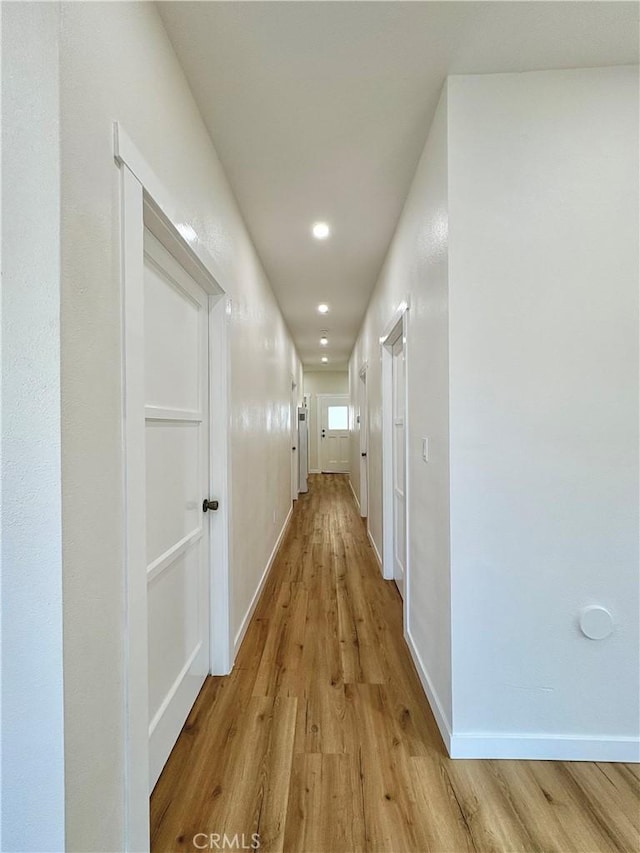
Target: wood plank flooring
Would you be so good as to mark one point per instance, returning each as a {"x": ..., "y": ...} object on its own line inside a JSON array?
[{"x": 321, "y": 740}]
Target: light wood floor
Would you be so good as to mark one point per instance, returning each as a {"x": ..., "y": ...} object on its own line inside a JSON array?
[{"x": 321, "y": 740}]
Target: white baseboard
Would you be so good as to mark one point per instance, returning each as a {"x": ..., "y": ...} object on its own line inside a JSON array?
[
  {"x": 432, "y": 697},
  {"x": 353, "y": 492},
  {"x": 314, "y": 471},
  {"x": 256, "y": 596},
  {"x": 545, "y": 747},
  {"x": 375, "y": 548},
  {"x": 522, "y": 746}
]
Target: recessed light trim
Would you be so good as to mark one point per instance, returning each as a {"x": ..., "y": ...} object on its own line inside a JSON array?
[
  {"x": 323, "y": 308},
  {"x": 324, "y": 340},
  {"x": 320, "y": 230}
]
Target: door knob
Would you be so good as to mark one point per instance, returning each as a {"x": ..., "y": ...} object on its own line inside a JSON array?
[
  {"x": 363, "y": 454},
  {"x": 209, "y": 505},
  {"x": 293, "y": 448}
]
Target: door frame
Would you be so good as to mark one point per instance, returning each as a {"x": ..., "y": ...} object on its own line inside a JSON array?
[
  {"x": 398, "y": 325},
  {"x": 295, "y": 449},
  {"x": 363, "y": 434},
  {"x": 144, "y": 203},
  {"x": 319, "y": 399}
]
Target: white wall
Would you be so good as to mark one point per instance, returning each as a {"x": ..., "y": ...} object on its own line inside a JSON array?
[
  {"x": 518, "y": 248},
  {"x": 32, "y": 697},
  {"x": 140, "y": 84},
  {"x": 543, "y": 195},
  {"x": 321, "y": 382},
  {"x": 416, "y": 266}
]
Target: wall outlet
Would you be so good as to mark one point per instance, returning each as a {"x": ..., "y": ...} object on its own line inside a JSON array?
[{"x": 425, "y": 449}]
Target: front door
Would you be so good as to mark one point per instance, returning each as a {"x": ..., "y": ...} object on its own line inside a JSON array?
[
  {"x": 177, "y": 480},
  {"x": 399, "y": 467},
  {"x": 334, "y": 434}
]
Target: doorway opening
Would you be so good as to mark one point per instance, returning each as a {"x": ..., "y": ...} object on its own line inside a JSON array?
[
  {"x": 176, "y": 477},
  {"x": 395, "y": 452},
  {"x": 295, "y": 449},
  {"x": 363, "y": 423}
]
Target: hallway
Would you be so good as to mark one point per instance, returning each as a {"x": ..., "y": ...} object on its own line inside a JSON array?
[{"x": 321, "y": 740}]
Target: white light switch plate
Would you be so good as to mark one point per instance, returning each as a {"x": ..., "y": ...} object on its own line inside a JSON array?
[{"x": 425, "y": 449}]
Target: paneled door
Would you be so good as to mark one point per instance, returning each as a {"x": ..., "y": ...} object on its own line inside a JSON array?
[
  {"x": 334, "y": 434},
  {"x": 177, "y": 439},
  {"x": 399, "y": 466},
  {"x": 363, "y": 422}
]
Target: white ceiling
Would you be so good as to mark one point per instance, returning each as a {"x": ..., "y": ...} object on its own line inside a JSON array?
[{"x": 320, "y": 110}]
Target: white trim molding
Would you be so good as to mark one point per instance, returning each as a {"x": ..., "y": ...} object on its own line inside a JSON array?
[
  {"x": 126, "y": 152},
  {"x": 372, "y": 541},
  {"x": 362, "y": 402},
  {"x": 397, "y": 325},
  {"x": 535, "y": 747},
  {"x": 265, "y": 574},
  {"x": 444, "y": 724},
  {"x": 221, "y": 636},
  {"x": 541, "y": 747},
  {"x": 145, "y": 203},
  {"x": 136, "y": 759},
  {"x": 353, "y": 492},
  {"x": 395, "y": 319}
]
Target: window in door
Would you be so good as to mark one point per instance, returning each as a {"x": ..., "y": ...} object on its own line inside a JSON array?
[{"x": 338, "y": 417}]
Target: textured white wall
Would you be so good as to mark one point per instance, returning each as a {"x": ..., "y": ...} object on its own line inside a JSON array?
[
  {"x": 32, "y": 694},
  {"x": 543, "y": 195},
  {"x": 140, "y": 84},
  {"x": 321, "y": 382},
  {"x": 523, "y": 371},
  {"x": 416, "y": 266}
]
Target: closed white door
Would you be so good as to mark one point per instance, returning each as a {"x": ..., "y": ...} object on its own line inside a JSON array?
[
  {"x": 177, "y": 479},
  {"x": 363, "y": 415},
  {"x": 334, "y": 434},
  {"x": 293, "y": 420},
  {"x": 399, "y": 467}
]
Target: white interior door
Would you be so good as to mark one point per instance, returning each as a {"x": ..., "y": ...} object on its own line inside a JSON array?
[
  {"x": 295, "y": 450},
  {"x": 399, "y": 465},
  {"x": 177, "y": 480},
  {"x": 363, "y": 414},
  {"x": 334, "y": 434}
]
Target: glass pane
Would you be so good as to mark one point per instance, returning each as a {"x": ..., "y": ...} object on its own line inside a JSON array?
[{"x": 338, "y": 417}]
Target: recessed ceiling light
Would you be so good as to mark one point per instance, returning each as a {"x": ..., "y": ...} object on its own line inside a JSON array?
[
  {"x": 324, "y": 359},
  {"x": 320, "y": 230},
  {"x": 324, "y": 340},
  {"x": 323, "y": 308}
]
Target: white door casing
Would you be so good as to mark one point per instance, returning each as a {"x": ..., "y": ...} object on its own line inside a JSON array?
[
  {"x": 295, "y": 450},
  {"x": 333, "y": 428},
  {"x": 399, "y": 464},
  {"x": 145, "y": 203},
  {"x": 363, "y": 415},
  {"x": 176, "y": 388},
  {"x": 396, "y": 484}
]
